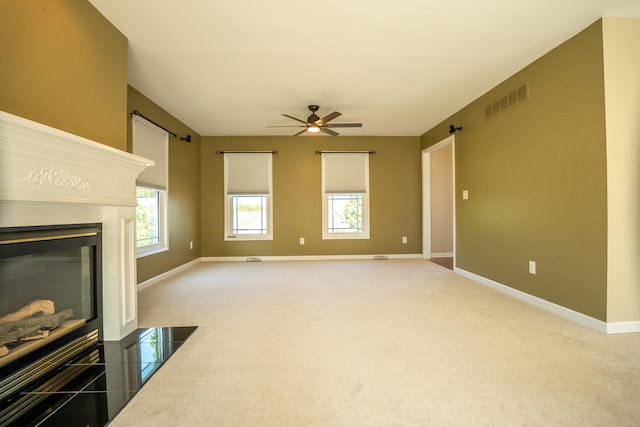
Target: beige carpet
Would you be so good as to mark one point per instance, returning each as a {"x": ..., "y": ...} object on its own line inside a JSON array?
[{"x": 374, "y": 343}]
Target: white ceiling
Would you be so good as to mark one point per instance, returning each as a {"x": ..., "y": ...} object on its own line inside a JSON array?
[{"x": 400, "y": 67}]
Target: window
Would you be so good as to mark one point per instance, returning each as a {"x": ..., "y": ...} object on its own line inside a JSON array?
[
  {"x": 345, "y": 195},
  {"x": 151, "y": 142},
  {"x": 249, "y": 214},
  {"x": 248, "y": 196},
  {"x": 344, "y": 213},
  {"x": 149, "y": 216}
]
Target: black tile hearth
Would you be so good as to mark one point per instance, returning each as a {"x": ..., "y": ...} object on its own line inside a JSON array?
[{"x": 92, "y": 389}]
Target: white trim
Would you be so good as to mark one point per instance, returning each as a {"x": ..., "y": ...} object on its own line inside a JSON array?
[
  {"x": 426, "y": 195},
  {"x": 311, "y": 257},
  {"x": 128, "y": 272},
  {"x": 442, "y": 255},
  {"x": 167, "y": 274},
  {"x": 150, "y": 250},
  {"x": 426, "y": 204},
  {"x": 163, "y": 226},
  {"x": 583, "y": 319},
  {"x": 623, "y": 327}
]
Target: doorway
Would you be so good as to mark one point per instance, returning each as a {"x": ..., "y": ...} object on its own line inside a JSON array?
[{"x": 438, "y": 202}]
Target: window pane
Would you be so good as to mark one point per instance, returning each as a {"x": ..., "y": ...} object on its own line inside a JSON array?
[
  {"x": 151, "y": 352},
  {"x": 147, "y": 217},
  {"x": 345, "y": 213},
  {"x": 249, "y": 214}
]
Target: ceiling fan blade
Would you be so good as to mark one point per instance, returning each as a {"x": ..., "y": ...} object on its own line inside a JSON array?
[
  {"x": 344, "y": 125},
  {"x": 292, "y": 126},
  {"x": 329, "y": 117},
  {"x": 291, "y": 117},
  {"x": 301, "y": 132},
  {"x": 328, "y": 131}
]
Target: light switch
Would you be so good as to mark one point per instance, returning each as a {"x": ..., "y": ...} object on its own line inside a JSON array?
[{"x": 465, "y": 194}]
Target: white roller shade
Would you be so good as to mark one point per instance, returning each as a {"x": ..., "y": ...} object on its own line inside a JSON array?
[
  {"x": 248, "y": 173},
  {"x": 345, "y": 172},
  {"x": 151, "y": 142}
]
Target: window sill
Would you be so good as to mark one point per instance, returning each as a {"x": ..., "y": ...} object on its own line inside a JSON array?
[
  {"x": 151, "y": 250},
  {"x": 345, "y": 236},
  {"x": 247, "y": 238}
]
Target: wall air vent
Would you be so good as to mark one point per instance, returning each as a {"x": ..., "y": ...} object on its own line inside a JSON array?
[
  {"x": 380, "y": 257},
  {"x": 507, "y": 101},
  {"x": 254, "y": 259}
]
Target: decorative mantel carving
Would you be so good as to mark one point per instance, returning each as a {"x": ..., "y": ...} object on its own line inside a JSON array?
[{"x": 58, "y": 178}]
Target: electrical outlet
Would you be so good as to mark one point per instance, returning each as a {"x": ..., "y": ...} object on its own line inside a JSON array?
[
  {"x": 465, "y": 194},
  {"x": 532, "y": 267},
  {"x": 302, "y": 240},
  {"x": 404, "y": 239},
  {"x": 191, "y": 245}
]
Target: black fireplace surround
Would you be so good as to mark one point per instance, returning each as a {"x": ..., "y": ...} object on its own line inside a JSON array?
[{"x": 60, "y": 265}]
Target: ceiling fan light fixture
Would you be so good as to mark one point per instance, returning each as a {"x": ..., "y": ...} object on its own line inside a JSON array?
[{"x": 313, "y": 129}]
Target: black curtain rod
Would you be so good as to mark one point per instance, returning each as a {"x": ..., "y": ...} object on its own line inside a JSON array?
[
  {"x": 223, "y": 152},
  {"x": 322, "y": 152},
  {"x": 137, "y": 113}
]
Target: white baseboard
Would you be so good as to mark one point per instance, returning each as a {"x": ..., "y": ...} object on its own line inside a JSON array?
[
  {"x": 583, "y": 319},
  {"x": 310, "y": 257},
  {"x": 167, "y": 274},
  {"x": 623, "y": 327},
  {"x": 442, "y": 255}
]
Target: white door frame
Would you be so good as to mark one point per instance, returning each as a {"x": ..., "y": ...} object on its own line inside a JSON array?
[{"x": 426, "y": 194}]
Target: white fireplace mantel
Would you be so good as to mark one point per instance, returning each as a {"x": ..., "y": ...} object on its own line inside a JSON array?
[{"x": 49, "y": 177}]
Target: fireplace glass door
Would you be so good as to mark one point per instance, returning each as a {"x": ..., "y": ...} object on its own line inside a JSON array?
[{"x": 48, "y": 286}]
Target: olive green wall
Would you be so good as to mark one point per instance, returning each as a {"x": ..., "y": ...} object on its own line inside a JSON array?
[
  {"x": 183, "y": 191},
  {"x": 63, "y": 64},
  {"x": 622, "y": 90},
  {"x": 395, "y": 198},
  {"x": 536, "y": 176}
]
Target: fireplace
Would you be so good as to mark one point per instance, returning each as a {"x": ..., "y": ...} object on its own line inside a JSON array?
[
  {"x": 50, "y": 298},
  {"x": 54, "y": 185}
]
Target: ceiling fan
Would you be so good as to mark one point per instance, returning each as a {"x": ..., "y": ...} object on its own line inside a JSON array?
[{"x": 316, "y": 124}]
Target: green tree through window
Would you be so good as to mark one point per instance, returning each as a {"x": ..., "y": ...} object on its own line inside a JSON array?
[
  {"x": 353, "y": 213},
  {"x": 147, "y": 217}
]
